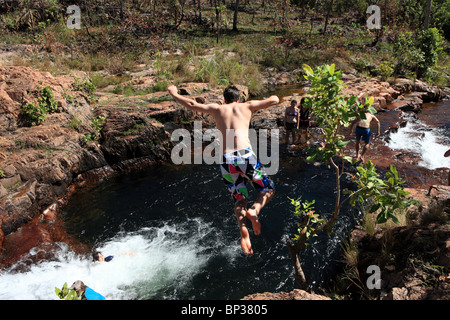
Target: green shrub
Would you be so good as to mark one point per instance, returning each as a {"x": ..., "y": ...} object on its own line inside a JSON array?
[
  {"x": 34, "y": 114},
  {"x": 417, "y": 53},
  {"x": 385, "y": 70},
  {"x": 47, "y": 100}
]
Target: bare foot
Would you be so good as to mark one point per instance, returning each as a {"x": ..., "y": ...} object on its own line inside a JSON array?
[
  {"x": 246, "y": 245},
  {"x": 253, "y": 217}
]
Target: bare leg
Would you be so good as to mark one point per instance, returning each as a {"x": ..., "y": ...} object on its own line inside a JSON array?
[
  {"x": 287, "y": 138},
  {"x": 252, "y": 213},
  {"x": 240, "y": 213},
  {"x": 357, "y": 150},
  {"x": 366, "y": 146}
]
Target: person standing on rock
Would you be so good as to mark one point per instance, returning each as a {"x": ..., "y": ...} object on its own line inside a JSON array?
[
  {"x": 362, "y": 132},
  {"x": 304, "y": 122},
  {"x": 239, "y": 162},
  {"x": 291, "y": 119},
  {"x": 447, "y": 154}
]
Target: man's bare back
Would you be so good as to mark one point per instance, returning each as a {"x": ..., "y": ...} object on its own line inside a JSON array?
[
  {"x": 233, "y": 121},
  {"x": 365, "y": 123}
]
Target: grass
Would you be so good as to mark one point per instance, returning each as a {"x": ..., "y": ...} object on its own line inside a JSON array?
[{"x": 236, "y": 58}]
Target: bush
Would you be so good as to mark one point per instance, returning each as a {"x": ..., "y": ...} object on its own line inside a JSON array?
[
  {"x": 417, "y": 53},
  {"x": 34, "y": 114},
  {"x": 385, "y": 70}
]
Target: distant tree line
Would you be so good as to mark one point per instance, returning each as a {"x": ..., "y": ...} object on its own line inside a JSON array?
[{"x": 157, "y": 14}]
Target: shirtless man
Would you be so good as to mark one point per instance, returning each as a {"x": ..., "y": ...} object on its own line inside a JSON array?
[
  {"x": 239, "y": 163},
  {"x": 362, "y": 132}
]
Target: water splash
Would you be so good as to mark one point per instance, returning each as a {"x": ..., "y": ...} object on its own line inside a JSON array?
[
  {"x": 153, "y": 261},
  {"x": 429, "y": 144}
]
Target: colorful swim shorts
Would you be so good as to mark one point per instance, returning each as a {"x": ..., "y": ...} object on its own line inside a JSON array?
[{"x": 239, "y": 167}]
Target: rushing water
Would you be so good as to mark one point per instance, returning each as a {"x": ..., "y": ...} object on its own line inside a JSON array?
[
  {"x": 428, "y": 137},
  {"x": 173, "y": 235}
]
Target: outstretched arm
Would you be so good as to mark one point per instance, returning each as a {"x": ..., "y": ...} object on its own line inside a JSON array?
[
  {"x": 191, "y": 103},
  {"x": 352, "y": 125},
  {"x": 262, "y": 104},
  {"x": 378, "y": 125}
]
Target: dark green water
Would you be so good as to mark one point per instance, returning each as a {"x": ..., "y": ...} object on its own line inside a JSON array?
[{"x": 192, "y": 208}]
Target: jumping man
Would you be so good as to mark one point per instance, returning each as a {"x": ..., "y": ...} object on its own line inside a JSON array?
[{"x": 239, "y": 163}]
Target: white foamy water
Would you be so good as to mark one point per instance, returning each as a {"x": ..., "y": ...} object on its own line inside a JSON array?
[
  {"x": 428, "y": 143},
  {"x": 145, "y": 262}
]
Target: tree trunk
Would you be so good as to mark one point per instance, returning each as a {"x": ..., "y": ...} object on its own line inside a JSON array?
[
  {"x": 236, "y": 9},
  {"x": 427, "y": 15},
  {"x": 200, "y": 11},
  {"x": 217, "y": 20},
  {"x": 328, "y": 16},
  {"x": 299, "y": 274}
]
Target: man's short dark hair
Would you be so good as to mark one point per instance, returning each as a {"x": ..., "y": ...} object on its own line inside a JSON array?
[
  {"x": 96, "y": 255},
  {"x": 231, "y": 94}
]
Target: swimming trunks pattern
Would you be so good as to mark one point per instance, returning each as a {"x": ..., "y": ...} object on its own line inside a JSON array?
[{"x": 239, "y": 167}]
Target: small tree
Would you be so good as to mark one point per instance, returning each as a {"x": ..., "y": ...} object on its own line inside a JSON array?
[{"x": 333, "y": 111}]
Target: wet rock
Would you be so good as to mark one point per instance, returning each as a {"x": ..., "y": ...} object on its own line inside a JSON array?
[
  {"x": 423, "y": 91},
  {"x": 410, "y": 103},
  {"x": 296, "y": 294},
  {"x": 42, "y": 162}
]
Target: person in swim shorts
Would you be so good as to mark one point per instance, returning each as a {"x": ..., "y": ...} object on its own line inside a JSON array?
[
  {"x": 239, "y": 164},
  {"x": 362, "y": 132}
]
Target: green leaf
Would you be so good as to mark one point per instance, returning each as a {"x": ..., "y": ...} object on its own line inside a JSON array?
[
  {"x": 308, "y": 70},
  {"x": 332, "y": 67},
  {"x": 402, "y": 192},
  {"x": 371, "y": 110},
  {"x": 381, "y": 218},
  {"x": 394, "y": 171},
  {"x": 348, "y": 158},
  {"x": 394, "y": 218},
  {"x": 375, "y": 207},
  {"x": 341, "y": 144},
  {"x": 351, "y": 101}
]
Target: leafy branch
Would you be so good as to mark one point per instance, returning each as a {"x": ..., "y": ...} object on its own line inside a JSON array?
[{"x": 334, "y": 111}]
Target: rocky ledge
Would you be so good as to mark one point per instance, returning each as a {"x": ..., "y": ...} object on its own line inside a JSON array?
[{"x": 41, "y": 165}]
